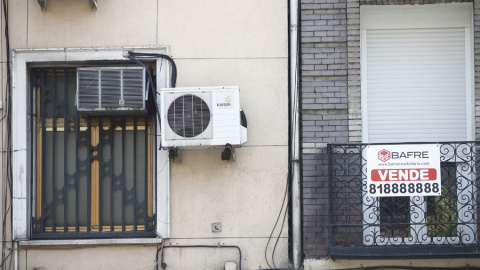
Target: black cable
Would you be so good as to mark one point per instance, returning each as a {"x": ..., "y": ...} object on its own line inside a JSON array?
[
  {"x": 276, "y": 223},
  {"x": 292, "y": 125},
  {"x": 159, "y": 249},
  {"x": 7, "y": 197},
  {"x": 158, "y": 55},
  {"x": 281, "y": 228},
  {"x": 164, "y": 265},
  {"x": 149, "y": 82},
  {"x": 3, "y": 261},
  {"x": 243, "y": 118},
  {"x": 134, "y": 57}
]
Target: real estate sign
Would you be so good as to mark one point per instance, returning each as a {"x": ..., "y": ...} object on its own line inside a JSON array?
[{"x": 403, "y": 170}]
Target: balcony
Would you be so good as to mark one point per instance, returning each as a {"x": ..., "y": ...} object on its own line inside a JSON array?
[{"x": 363, "y": 225}]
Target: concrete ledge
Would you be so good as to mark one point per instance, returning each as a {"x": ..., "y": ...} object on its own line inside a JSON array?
[{"x": 79, "y": 242}]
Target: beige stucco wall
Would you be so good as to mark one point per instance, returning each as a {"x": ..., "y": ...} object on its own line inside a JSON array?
[{"x": 214, "y": 43}]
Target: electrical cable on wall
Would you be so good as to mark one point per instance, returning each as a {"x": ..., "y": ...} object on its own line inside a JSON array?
[
  {"x": 284, "y": 204},
  {"x": 135, "y": 56},
  {"x": 159, "y": 249},
  {"x": 7, "y": 185},
  {"x": 287, "y": 196},
  {"x": 164, "y": 265}
]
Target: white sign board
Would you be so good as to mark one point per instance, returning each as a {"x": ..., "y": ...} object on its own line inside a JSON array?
[{"x": 403, "y": 170}]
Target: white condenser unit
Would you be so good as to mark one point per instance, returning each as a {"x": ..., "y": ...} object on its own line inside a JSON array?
[
  {"x": 202, "y": 116},
  {"x": 111, "y": 90}
]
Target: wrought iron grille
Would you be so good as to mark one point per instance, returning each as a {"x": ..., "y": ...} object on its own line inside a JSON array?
[
  {"x": 93, "y": 176},
  {"x": 360, "y": 221}
]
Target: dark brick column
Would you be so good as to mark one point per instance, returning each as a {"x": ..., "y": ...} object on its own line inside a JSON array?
[{"x": 324, "y": 109}]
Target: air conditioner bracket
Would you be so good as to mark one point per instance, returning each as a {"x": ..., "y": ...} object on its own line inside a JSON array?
[
  {"x": 228, "y": 153},
  {"x": 173, "y": 154}
]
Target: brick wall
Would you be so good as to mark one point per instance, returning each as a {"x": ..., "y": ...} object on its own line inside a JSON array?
[
  {"x": 324, "y": 109},
  {"x": 331, "y": 108}
]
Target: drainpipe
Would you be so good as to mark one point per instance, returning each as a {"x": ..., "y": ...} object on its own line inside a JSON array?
[
  {"x": 15, "y": 253},
  {"x": 295, "y": 136}
]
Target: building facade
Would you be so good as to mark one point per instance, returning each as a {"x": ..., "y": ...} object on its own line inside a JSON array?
[
  {"x": 89, "y": 189},
  {"x": 394, "y": 73}
]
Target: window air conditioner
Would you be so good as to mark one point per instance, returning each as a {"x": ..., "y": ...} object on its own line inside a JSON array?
[
  {"x": 111, "y": 90},
  {"x": 206, "y": 116}
]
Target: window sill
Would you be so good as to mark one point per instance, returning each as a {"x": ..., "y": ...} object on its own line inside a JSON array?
[
  {"x": 396, "y": 252},
  {"x": 83, "y": 242}
]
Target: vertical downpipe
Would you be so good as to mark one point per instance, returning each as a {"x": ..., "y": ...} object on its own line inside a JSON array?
[
  {"x": 15, "y": 253},
  {"x": 295, "y": 135}
]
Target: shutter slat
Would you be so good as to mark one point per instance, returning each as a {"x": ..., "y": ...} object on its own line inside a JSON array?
[{"x": 416, "y": 85}]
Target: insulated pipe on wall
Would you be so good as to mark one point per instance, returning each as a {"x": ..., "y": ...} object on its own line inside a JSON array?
[{"x": 294, "y": 143}]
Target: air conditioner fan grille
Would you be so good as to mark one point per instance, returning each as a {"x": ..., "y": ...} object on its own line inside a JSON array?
[{"x": 188, "y": 116}]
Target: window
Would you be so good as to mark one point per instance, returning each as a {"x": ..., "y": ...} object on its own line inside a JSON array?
[
  {"x": 415, "y": 225},
  {"x": 79, "y": 176},
  {"x": 94, "y": 175},
  {"x": 417, "y": 87},
  {"x": 417, "y": 75},
  {"x": 439, "y": 212},
  {"x": 447, "y": 219}
]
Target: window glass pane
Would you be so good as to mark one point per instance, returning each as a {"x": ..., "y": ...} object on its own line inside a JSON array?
[
  {"x": 92, "y": 170},
  {"x": 82, "y": 174},
  {"x": 442, "y": 210},
  {"x": 70, "y": 162},
  {"x": 47, "y": 176},
  {"x": 394, "y": 216},
  {"x": 59, "y": 178},
  {"x": 118, "y": 175},
  {"x": 59, "y": 89},
  {"x": 71, "y": 84},
  {"x": 47, "y": 97},
  {"x": 141, "y": 177},
  {"x": 82, "y": 204},
  {"x": 129, "y": 167}
]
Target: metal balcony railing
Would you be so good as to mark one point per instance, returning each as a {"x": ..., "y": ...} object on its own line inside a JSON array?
[{"x": 396, "y": 226}]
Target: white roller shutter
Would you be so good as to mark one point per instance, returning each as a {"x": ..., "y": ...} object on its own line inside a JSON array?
[{"x": 416, "y": 85}]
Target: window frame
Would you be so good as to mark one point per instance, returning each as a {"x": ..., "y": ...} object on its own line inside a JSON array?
[
  {"x": 23, "y": 192},
  {"x": 418, "y": 213},
  {"x": 458, "y": 15},
  {"x": 452, "y": 15}
]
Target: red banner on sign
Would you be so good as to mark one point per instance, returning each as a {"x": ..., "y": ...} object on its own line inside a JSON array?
[{"x": 404, "y": 174}]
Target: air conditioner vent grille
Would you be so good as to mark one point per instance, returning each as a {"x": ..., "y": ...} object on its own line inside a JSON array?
[
  {"x": 133, "y": 82},
  {"x": 188, "y": 116},
  {"x": 111, "y": 88},
  {"x": 89, "y": 84}
]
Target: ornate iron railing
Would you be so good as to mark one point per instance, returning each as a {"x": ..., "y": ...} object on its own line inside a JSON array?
[{"x": 360, "y": 221}]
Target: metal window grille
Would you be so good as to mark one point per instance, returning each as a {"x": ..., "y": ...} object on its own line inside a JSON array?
[
  {"x": 388, "y": 226},
  {"x": 93, "y": 176}
]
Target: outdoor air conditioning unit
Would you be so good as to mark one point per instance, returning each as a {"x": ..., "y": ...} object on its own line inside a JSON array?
[
  {"x": 111, "y": 90},
  {"x": 205, "y": 116}
]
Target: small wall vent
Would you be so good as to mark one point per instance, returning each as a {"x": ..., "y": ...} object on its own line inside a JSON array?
[{"x": 111, "y": 90}]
